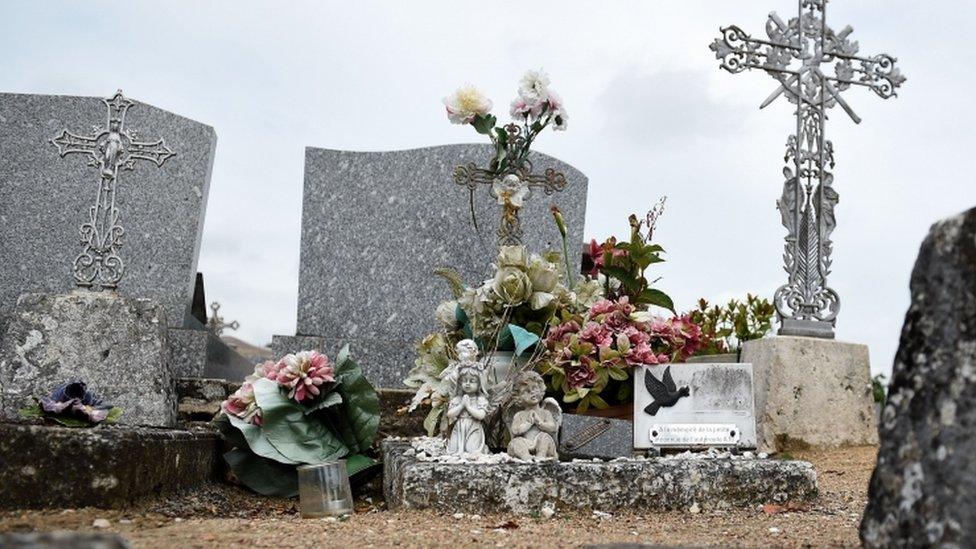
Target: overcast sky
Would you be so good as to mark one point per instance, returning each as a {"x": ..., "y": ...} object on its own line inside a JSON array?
[{"x": 651, "y": 114}]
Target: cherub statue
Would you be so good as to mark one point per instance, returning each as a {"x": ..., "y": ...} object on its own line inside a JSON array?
[
  {"x": 533, "y": 422},
  {"x": 467, "y": 409}
]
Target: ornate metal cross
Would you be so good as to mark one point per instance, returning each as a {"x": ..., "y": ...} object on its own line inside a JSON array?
[
  {"x": 799, "y": 54},
  {"x": 510, "y": 186},
  {"x": 216, "y": 324},
  {"x": 110, "y": 149}
]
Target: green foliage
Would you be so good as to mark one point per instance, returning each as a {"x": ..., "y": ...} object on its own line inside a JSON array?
[
  {"x": 35, "y": 411},
  {"x": 725, "y": 329},
  {"x": 879, "y": 388},
  {"x": 627, "y": 263}
]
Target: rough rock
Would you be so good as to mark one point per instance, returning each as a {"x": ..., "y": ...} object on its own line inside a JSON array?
[
  {"x": 116, "y": 345},
  {"x": 105, "y": 466},
  {"x": 811, "y": 392},
  {"x": 63, "y": 540},
  {"x": 633, "y": 485},
  {"x": 200, "y": 398},
  {"x": 923, "y": 491}
]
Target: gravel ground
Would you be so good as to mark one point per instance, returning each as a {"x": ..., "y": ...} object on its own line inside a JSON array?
[{"x": 224, "y": 515}]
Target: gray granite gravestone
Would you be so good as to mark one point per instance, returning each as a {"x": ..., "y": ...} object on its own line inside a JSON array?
[
  {"x": 46, "y": 198},
  {"x": 694, "y": 406},
  {"x": 375, "y": 225}
]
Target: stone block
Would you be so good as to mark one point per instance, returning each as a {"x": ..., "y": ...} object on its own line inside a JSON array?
[
  {"x": 923, "y": 488},
  {"x": 811, "y": 392},
  {"x": 199, "y": 353},
  {"x": 114, "y": 344},
  {"x": 105, "y": 466},
  {"x": 386, "y": 220},
  {"x": 641, "y": 485},
  {"x": 46, "y": 198},
  {"x": 595, "y": 437}
]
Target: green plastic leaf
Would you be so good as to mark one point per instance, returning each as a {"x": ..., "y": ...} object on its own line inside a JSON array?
[
  {"x": 430, "y": 422},
  {"x": 300, "y": 438},
  {"x": 330, "y": 399},
  {"x": 358, "y": 462},
  {"x": 256, "y": 439},
  {"x": 70, "y": 421},
  {"x": 523, "y": 338},
  {"x": 262, "y": 475},
  {"x": 114, "y": 415},
  {"x": 618, "y": 373},
  {"x": 31, "y": 412},
  {"x": 657, "y": 297},
  {"x": 484, "y": 124},
  {"x": 361, "y": 405}
]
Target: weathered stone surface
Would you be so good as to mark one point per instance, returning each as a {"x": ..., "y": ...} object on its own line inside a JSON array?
[
  {"x": 46, "y": 198},
  {"x": 200, "y": 398},
  {"x": 106, "y": 466},
  {"x": 811, "y": 393},
  {"x": 63, "y": 540},
  {"x": 385, "y": 221},
  {"x": 635, "y": 485},
  {"x": 114, "y": 344},
  {"x": 923, "y": 491}
]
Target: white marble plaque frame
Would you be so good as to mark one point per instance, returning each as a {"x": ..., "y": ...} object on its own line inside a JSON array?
[{"x": 716, "y": 395}]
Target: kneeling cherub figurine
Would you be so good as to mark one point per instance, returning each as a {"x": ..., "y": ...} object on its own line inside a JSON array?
[{"x": 533, "y": 421}]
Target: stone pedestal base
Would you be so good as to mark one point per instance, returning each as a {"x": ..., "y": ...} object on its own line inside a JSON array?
[
  {"x": 114, "y": 344},
  {"x": 811, "y": 393},
  {"x": 105, "y": 466},
  {"x": 658, "y": 484}
]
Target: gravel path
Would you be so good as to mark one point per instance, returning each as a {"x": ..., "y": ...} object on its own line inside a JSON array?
[{"x": 224, "y": 515}]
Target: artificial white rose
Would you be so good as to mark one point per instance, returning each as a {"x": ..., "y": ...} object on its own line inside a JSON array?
[
  {"x": 534, "y": 86},
  {"x": 541, "y": 300},
  {"x": 588, "y": 292},
  {"x": 466, "y": 103},
  {"x": 512, "y": 285},
  {"x": 513, "y": 256},
  {"x": 446, "y": 314},
  {"x": 543, "y": 274}
]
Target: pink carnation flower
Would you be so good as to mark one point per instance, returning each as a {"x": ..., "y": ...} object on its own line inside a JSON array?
[
  {"x": 596, "y": 334},
  {"x": 242, "y": 404},
  {"x": 580, "y": 375},
  {"x": 304, "y": 373}
]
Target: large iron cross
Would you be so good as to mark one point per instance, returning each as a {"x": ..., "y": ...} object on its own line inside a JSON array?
[
  {"x": 510, "y": 187},
  {"x": 800, "y": 54},
  {"x": 109, "y": 150}
]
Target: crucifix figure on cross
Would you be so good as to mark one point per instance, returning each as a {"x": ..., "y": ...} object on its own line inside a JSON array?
[
  {"x": 799, "y": 54},
  {"x": 512, "y": 186},
  {"x": 111, "y": 149}
]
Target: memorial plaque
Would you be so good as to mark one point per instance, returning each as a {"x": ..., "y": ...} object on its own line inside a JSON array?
[{"x": 694, "y": 406}]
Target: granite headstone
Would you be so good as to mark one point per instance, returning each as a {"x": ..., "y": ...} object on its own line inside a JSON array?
[
  {"x": 46, "y": 198},
  {"x": 375, "y": 225},
  {"x": 694, "y": 406},
  {"x": 923, "y": 487}
]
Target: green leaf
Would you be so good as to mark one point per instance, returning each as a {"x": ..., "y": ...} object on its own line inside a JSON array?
[
  {"x": 430, "y": 422},
  {"x": 453, "y": 278},
  {"x": 523, "y": 338},
  {"x": 31, "y": 412},
  {"x": 358, "y": 462},
  {"x": 598, "y": 401},
  {"x": 113, "y": 415},
  {"x": 300, "y": 438},
  {"x": 330, "y": 399},
  {"x": 652, "y": 296},
  {"x": 618, "y": 373},
  {"x": 484, "y": 124},
  {"x": 256, "y": 439},
  {"x": 264, "y": 476},
  {"x": 70, "y": 421},
  {"x": 360, "y": 401}
]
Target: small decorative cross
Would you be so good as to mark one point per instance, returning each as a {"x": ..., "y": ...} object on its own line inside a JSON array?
[
  {"x": 216, "y": 323},
  {"x": 798, "y": 54},
  {"x": 110, "y": 150},
  {"x": 510, "y": 187}
]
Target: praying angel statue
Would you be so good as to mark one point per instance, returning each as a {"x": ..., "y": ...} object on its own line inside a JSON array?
[{"x": 468, "y": 408}]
